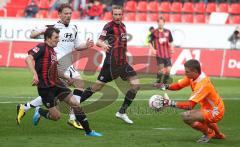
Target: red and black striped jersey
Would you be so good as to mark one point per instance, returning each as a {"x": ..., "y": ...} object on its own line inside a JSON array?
[
  {"x": 161, "y": 42},
  {"x": 116, "y": 36},
  {"x": 45, "y": 65}
]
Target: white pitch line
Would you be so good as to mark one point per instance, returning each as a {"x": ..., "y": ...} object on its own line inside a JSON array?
[{"x": 164, "y": 129}]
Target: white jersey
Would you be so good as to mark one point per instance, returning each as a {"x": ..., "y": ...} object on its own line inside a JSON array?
[{"x": 68, "y": 41}]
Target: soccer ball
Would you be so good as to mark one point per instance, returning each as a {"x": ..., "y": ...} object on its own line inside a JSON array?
[{"x": 156, "y": 102}]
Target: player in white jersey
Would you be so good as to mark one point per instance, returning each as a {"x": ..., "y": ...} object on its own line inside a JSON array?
[{"x": 68, "y": 42}]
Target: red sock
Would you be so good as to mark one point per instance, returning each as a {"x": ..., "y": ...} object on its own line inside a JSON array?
[
  {"x": 200, "y": 127},
  {"x": 214, "y": 126}
]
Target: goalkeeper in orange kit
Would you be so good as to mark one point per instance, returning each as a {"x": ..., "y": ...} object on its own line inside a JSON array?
[{"x": 203, "y": 92}]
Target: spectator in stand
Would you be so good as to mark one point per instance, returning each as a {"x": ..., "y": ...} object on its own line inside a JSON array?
[
  {"x": 107, "y": 5},
  {"x": 57, "y": 3},
  {"x": 79, "y": 5},
  {"x": 95, "y": 10},
  {"x": 235, "y": 39},
  {"x": 31, "y": 10}
]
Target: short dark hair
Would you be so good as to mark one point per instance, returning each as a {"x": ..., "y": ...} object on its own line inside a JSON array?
[
  {"x": 117, "y": 7},
  {"x": 63, "y": 6},
  {"x": 151, "y": 28},
  {"x": 193, "y": 64},
  {"x": 49, "y": 31},
  {"x": 161, "y": 18}
]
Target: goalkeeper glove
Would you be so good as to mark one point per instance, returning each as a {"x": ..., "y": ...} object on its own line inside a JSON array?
[
  {"x": 167, "y": 102},
  {"x": 161, "y": 86}
]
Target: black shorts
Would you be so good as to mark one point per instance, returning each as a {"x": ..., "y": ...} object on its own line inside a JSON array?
[
  {"x": 166, "y": 61},
  {"x": 51, "y": 95},
  {"x": 109, "y": 73}
]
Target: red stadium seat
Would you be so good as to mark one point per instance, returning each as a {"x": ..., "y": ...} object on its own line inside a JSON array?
[
  {"x": 3, "y": 12},
  {"x": 211, "y": 7},
  {"x": 107, "y": 16},
  {"x": 142, "y": 6},
  {"x": 44, "y": 4},
  {"x": 53, "y": 14},
  {"x": 187, "y": 7},
  {"x": 130, "y": 6},
  {"x": 153, "y": 16},
  {"x": 153, "y": 6},
  {"x": 176, "y": 7},
  {"x": 20, "y": 13},
  {"x": 200, "y": 18},
  {"x": 18, "y": 3},
  {"x": 223, "y": 7},
  {"x": 12, "y": 10},
  {"x": 165, "y": 7},
  {"x": 141, "y": 17},
  {"x": 176, "y": 18},
  {"x": 199, "y": 7},
  {"x": 234, "y": 8},
  {"x": 42, "y": 14},
  {"x": 235, "y": 19},
  {"x": 75, "y": 15},
  {"x": 187, "y": 18},
  {"x": 131, "y": 16}
]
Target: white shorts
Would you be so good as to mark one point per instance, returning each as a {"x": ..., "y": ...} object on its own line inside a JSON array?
[{"x": 72, "y": 73}]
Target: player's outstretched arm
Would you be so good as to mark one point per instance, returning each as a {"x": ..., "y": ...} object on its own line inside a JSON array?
[
  {"x": 35, "y": 34},
  {"x": 106, "y": 47},
  {"x": 173, "y": 86},
  {"x": 186, "y": 105},
  {"x": 30, "y": 63}
]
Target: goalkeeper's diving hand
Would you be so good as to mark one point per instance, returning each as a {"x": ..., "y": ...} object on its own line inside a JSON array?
[
  {"x": 161, "y": 86},
  {"x": 168, "y": 102}
]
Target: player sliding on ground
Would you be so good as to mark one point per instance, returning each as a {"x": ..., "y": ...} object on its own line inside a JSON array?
[
  {"x": 212, "y": 107},
  {"x": 42, "y": 62}
]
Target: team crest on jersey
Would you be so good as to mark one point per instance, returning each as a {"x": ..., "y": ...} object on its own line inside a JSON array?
[
  {"x": 124, "y": 36},
  {"x": 36, "y": 49},
  {"x": 54, "y": 58},
  {"x": 104, "y": 33}
]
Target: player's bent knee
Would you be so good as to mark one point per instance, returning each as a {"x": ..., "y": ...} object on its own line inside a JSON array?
[
  {"x": 185, "y": 117},
  {"x": 55, "y": 117},
  {"x": 136, "y": 87},
  {"x": 195, "y": 124},
  {"x": 97, "y": 87}
]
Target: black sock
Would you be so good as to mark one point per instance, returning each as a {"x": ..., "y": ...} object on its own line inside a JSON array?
[
  {"x": 159, "y": 77},
  {"x": 165, "y": 78},
  {"x": 44, "y": 113},
  {"x": 77, "y": 92},
  {"x": 86, "y": 94},
  {"x": 81, "y": 117},
  {"x": 26, "y": 105},
  {"x": 130, "y": 95}
]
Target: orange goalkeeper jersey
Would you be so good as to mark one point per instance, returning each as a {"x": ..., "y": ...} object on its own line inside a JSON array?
[{"x": 203, "y": 93}]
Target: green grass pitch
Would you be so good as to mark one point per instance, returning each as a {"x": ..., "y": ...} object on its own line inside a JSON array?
[{"x": 150, "y": 128}]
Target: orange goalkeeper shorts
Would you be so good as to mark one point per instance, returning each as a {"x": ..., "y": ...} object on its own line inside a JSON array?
[{"x": 213, "y": 116}]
